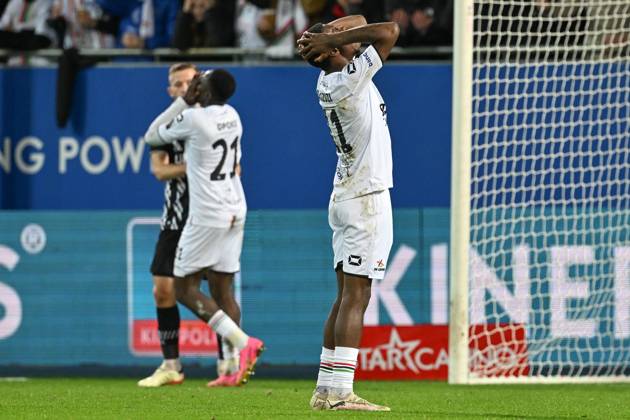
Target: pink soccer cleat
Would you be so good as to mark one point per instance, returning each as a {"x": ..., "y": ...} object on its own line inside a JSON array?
[
  {"x": 249, "y": 357},
  {"x": 225, "y": 380}
]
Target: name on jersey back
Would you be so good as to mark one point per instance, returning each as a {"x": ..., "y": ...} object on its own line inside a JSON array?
[{"x": 226, "y": 125}]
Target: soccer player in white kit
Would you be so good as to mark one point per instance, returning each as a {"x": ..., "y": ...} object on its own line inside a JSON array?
[
  {"x": 212, "y": 238},
  {"x": 360, "y": 212}
]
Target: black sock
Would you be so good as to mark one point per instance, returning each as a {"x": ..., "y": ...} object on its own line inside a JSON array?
[
  {"x": 220, "y": 346},
  {"x": 168, "y": 327}
]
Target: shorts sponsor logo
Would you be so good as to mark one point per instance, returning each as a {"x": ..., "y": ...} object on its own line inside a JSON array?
[
  {"x": 355, "y": 260},
  {"x": 380, "y": 266}
]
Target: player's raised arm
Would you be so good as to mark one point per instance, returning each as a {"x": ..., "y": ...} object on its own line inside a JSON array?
[
  {"x": 382, "y": 36},
  {"x": 348, "y": 22},
  {"x": 152, "y": 136}
]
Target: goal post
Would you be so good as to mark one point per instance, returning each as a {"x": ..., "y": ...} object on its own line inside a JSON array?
[
  {"x": 460, "y": 189},
  {"x": 540, "y": 192}
]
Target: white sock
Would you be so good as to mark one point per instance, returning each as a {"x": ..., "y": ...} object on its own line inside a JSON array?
[
  {"x": 325, "y": 375},
  {"x": 226, "y": 328},
  {"x": 173, "y": 364},
  {"x": 343, "y": 370},
  {"x": 229, "y": 351}
]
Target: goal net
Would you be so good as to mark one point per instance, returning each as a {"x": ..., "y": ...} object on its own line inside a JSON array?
[{"x": 540, "y": 234}]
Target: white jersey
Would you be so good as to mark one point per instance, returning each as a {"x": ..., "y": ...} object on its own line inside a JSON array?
[
  {"x": 213, "y": 150},
  {"x": 22, "y": 16},
  {"x": 357, "y": 118}
]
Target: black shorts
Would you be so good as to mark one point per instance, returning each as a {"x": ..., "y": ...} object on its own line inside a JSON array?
[{"x": 164, "y": 256}]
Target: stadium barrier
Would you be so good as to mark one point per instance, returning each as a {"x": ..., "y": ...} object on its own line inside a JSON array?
[{"x": 233, "y": 53}]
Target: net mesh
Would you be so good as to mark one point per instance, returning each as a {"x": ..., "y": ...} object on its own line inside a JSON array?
[{"x": 550, "y": 195}]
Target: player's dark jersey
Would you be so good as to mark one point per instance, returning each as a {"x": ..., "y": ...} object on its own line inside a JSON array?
[{"x": 175, "y": 191}]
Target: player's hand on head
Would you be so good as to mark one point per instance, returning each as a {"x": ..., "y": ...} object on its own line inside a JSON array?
[
  {"x": 316, "y": 47},
  {"x": 191, "y": 97}
]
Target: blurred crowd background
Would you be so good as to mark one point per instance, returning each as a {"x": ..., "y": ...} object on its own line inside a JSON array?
[{"x": 183, "y": 24}]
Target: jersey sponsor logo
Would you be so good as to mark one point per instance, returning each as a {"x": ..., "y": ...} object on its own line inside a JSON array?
[
  {"x": 368, "y": 59},
  {"x": 355, "y": 260},
  {"x": 226, "y": 125}
]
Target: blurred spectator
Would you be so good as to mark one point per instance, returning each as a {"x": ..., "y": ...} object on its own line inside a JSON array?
[
  {"x": 23, "y": 25},
  {"x": 248, "y": 16},
  {"x": 372, "y": 10},
  {"x": 420, "y": 22},
  {"x": 82, "y": 24},
  {"x": 3, "y": 5},
  {"x": 288, "y": 19},
  {"x": 609, "y": 29},
  {"x": 119, "y": 8},
  {"x": 544, "y": 28},
  {"x": 205, "y": 23},
  {"x": 150, "y": 25}
]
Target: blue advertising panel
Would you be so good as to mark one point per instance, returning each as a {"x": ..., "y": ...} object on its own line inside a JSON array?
[{"x": 100, "y": 162}]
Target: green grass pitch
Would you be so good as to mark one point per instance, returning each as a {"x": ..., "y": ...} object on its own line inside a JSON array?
[{"x": 271, "y": 399}]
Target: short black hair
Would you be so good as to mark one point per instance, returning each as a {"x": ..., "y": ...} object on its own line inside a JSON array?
[
  {"x": 222, "y": 85},
  {"x": 318, "y": 28}
]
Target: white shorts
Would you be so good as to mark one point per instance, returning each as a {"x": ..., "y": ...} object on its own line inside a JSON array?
[
  {"x": 202, "y": 247},
  {"x": 362, "y": 233}
]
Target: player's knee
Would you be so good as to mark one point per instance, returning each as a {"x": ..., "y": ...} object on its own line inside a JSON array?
[
  {"x": 359, "y": 295},
  {"x": 163, "y": 294}
]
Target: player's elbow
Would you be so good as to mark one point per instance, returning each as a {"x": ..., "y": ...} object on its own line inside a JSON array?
[
  {"x": 151, "y": 138},
  {"x": 158, "y": 173},
  {"x": 359, "y": 19},
  {"x": 393, "y": 31}
]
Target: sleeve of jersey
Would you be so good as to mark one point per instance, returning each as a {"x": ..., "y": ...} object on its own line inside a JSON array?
[
  {"x": 179, "y": 128},
  {"x": 170, "y": 114},
  {"x": 361, "y": 70}
]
